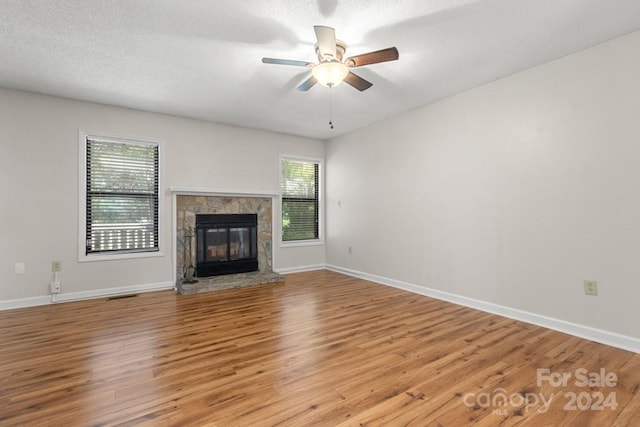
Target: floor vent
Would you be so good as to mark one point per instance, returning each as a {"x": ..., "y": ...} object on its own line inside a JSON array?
[{"x": 122, "y": 296}]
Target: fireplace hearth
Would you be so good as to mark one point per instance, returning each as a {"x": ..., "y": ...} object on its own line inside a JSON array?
[{"x": 226, "y": 244}]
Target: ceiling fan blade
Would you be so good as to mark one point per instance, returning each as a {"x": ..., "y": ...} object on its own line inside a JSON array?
[
  {"x": 384, "y": 55},
  {"x": 307, "y": 84},
  {"x": 326, "y": 37},
  {"x": 286, "y": 62},
  {"x": 357, "y": 82}
]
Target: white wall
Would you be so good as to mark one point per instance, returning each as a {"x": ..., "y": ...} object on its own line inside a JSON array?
[
  {"x": 512, "y": 193},
  {"x": 39, "y": 185}
]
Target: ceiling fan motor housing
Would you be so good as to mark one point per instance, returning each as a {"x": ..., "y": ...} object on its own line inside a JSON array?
[{"x": 341, "y": 48}]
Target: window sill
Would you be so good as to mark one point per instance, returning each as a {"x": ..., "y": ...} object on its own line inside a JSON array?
[
  {"x": 119, "y": 256},
  {"x": 299, "y": 243}
]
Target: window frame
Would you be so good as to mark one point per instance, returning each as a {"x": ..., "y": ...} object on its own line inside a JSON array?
[
  {"x": 305, "y": 242},
  {"x": 82, "y": 198}
]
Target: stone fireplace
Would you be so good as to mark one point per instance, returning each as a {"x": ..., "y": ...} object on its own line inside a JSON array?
[{"x": 189, "y": 206}]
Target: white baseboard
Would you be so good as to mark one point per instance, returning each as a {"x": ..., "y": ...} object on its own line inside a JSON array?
[
  {"x": 76, "y": 296},
  {"x": 598, "y": 335},
  {"x": 24, "y": 302},
  {"x": 301, "y": 269}
]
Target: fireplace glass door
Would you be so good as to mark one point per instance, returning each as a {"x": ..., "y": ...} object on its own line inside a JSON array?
[
  {"x": 216, "y": 241},
  {"x": 240, "y": 243},
  {"x": 226, "y": 244}
]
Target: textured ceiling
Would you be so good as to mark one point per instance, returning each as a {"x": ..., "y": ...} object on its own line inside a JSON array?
[{"x": 202, "y": 59}]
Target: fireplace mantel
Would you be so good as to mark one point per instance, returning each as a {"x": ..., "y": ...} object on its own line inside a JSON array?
[{"x": 201, "y": 191}]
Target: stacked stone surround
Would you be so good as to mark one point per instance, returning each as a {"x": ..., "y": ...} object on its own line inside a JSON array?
[{"x": 187, "y": 206}]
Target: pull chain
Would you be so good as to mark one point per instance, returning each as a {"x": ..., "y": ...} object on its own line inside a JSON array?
[{"x": 330, "y": 107}]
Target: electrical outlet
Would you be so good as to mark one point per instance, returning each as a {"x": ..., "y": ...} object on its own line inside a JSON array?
[
  {"x": 349, "y": 250},
  {"x": 56, "y": 266},
  {"x": 56, "y": 287},
  {"x": 591, "y": 287}
]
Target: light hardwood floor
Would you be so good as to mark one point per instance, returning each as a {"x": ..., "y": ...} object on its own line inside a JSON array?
[{"x": 321, "y": 349}]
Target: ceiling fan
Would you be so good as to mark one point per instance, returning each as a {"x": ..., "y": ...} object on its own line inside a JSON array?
[{"x": 331, "y": 69}]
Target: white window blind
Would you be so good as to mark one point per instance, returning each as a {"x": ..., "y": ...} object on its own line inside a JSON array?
[
  {"x": 300, "y": 200},
  {"x": 122, "y": 192}
]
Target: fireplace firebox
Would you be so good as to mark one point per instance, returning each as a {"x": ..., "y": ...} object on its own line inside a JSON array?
[{"x": 226, "y": 244}]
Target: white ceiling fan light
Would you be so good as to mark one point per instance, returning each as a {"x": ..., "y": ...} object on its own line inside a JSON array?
[{"x": 330, "y": 72}]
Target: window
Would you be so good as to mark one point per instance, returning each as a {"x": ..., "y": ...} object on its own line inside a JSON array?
[
  {"x": 300, "y": 200},
  {"x": 121, "y": 180}
]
